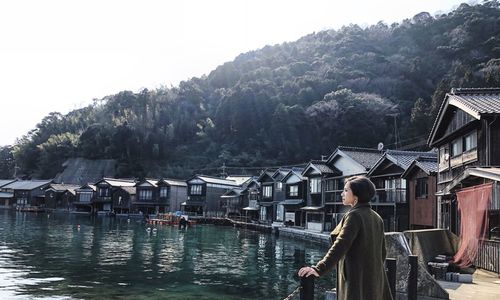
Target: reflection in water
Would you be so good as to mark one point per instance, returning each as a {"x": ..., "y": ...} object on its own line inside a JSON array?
[{"x": 82, "y": 257}]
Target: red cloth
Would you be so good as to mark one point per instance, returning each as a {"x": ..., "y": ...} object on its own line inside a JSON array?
[{"x": 473, "y": 208}]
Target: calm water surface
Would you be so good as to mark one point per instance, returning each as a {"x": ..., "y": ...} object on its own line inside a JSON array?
[{"x": 60, "y": 256}]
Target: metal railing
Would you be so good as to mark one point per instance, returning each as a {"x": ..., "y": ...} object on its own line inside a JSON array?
[
  {"x": 306, "y": 287},
  {"x": 488, "y": 256},
  {"x": 333, "y": 196},
  {"x": 390, "y": 196}
]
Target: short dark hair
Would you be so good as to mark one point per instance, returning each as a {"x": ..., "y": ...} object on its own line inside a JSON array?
[{"x": 361, "y": 187}]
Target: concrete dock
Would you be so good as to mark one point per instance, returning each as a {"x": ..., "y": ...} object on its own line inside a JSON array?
[{"x": 485, "y": 286}]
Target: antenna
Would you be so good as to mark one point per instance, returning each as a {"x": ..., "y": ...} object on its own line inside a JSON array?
[{"x": 224, "y": 175}]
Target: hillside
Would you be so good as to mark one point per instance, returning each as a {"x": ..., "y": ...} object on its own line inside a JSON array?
[{"x": 281, "y": 104}]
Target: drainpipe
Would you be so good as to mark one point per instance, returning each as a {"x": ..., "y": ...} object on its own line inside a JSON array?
[{"x": 488, "y": 141}]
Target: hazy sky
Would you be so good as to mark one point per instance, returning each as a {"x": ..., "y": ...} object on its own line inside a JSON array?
[{"x": 58, "y": 55}]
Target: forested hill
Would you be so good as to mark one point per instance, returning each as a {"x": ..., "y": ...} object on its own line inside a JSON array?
[{"x": 281, "y": 104}]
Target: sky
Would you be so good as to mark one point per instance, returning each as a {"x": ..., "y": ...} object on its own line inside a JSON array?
[{"x": 59, "y": 55}]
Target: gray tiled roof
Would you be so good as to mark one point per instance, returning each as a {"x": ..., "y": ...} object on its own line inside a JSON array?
[
  {"x": 216, "y": 180},
  {"x": 87, "y": 186},
  {"x": 474, "y": 101},
  {"x": 294, "y": 172},
  {"x": 63, "y": 187},
  {"x": 322, "y": 167},
  {"x": 239, "y": 179},
  {"x": 129, "y": 189},
  {"x": 119, "y": 182},
  {"x": 6, "y": 181},
  {"x": 27, "y": 184},
  {"x": 153, "y": 182},
  {"x": 481, "y": 101},
  {"x": 280, "y": 173},
  {"x": 367, "y": 157},
  {"x": 428, "y": 165},
  {"x": 266, "y": 173},
  {"x": 234, "y": 192},
  {"x": 405, "y": 158},
  {"x": 176, "y": 182}
]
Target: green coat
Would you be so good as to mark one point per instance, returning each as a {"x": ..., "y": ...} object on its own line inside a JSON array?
[{"x": 359, "y": 249}]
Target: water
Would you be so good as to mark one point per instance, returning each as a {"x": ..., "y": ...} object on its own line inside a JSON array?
[{"x": 60, "y": 256}]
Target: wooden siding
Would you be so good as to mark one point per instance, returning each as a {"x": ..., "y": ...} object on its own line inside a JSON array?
[
  {"x": 458, "y": 120},
  {"x": 176, "y": 195},
  {"x": 495, "y": 143},
  {"x": 422, "y": 210},
  {"x": 125, "y": 202}
]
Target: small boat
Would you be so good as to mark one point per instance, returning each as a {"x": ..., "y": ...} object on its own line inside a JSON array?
[{"x": 31, "y": 209}]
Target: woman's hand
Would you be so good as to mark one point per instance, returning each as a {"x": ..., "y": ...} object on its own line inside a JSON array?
[{"x": 307, "y": 271}]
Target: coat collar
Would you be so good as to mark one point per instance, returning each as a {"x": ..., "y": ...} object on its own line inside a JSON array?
[{"x": 361, "y": 205}]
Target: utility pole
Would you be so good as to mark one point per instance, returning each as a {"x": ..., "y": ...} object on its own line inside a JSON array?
[{"x": 396, "y": 134}]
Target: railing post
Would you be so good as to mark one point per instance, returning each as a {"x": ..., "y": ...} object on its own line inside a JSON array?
[
  {"x": 390, "y": 264},
  {"x": 307, "y": 290},
  {"x": 412, "y": 277}
]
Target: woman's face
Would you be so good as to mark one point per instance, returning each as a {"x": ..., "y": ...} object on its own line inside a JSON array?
[{"x": 348, "y": 197}]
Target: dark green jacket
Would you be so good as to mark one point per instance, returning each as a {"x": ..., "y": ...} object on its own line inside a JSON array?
[{"x": 359, "y": 249}]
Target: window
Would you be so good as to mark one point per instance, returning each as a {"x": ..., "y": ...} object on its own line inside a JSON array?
[
  {"x": 145, "y": 195},
  {"x": 315, "y": 185},
  {"x": 293, "y": 191},
  {"x": 470, "y": 141},
  {"x": 196, "y": 189},
  {"x": 279, "y": 186},
  {"x": 85, "y": 196},
  {"x": 329, "y": 185},
  {"x": 280, "y": 211},
  {"x": 456, "y": 147},
  {"x": 163, "y": 192},
  {"x": 312, "y": 217},
  {"x": 396, "y": 183},
  {"x": 390, "y": 184},
  {"x": 395, "y": 190},
  {"x": 267, "y": 191},
  {"x": 421, "y": 188},
  {"x": 22, "y": 201},
  {"x": 334, "y": 184},
  {"x": 103, "y": 192},
  {"x": 263, "y": 213}
]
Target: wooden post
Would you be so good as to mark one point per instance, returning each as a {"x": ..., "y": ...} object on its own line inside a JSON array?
[
  {"x": 307, "y": 291},
  {"x": 412, "y": 277},
  {"x": 390, "y": 264}
]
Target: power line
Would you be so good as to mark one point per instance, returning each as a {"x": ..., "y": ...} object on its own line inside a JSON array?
[{"x": 410, "y": 139}]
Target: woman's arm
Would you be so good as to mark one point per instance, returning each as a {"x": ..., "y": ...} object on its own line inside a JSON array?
[{"x": 344, "y": 240}]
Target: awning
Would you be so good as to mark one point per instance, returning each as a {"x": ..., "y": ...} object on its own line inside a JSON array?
[
  {"x": 312, "y": 208},
  {"x": 183, "y": 203},
  {"x": 492, "y": 173},
  {"x": 250, "y": 208},
  {"x": 230, "y": 196},
  {"x": 292, "y": 202}
]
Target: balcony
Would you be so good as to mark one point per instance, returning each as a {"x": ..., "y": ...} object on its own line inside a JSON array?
[
  {"x": 390, "y": 196},
  {"x": 333, "y": 197},
  {"x": 102, "y": 199},
  {"x": 160, "y": 201}
]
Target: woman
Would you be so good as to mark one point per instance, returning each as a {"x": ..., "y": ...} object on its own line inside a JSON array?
[{"x": 358, "y": 247}]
